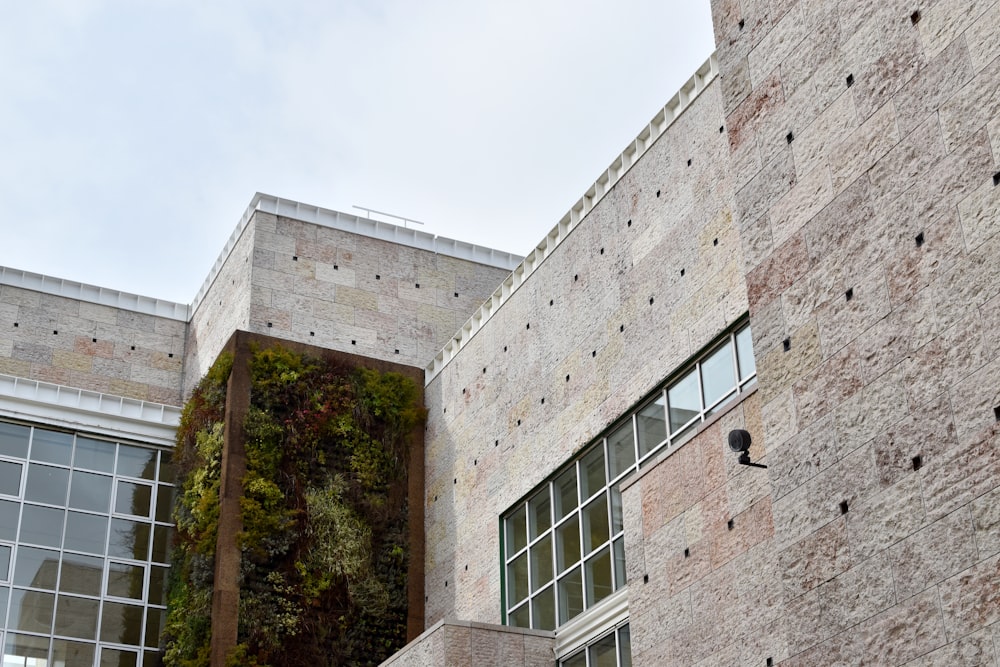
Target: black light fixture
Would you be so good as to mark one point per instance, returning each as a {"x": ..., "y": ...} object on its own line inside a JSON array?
[{"x": 739, "y": 442}]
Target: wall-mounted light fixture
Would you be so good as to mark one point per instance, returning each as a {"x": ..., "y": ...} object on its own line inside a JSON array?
[{"x": 739, "y": 442}]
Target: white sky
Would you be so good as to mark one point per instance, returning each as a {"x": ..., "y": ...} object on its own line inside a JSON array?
[{"x": 133, "y": 133}]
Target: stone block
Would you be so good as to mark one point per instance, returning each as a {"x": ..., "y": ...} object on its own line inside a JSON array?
[
  {"x": 885, "y": 518},
  {"x": 802, "y": 457},
  {"x": 937, "y": 551},
  {"x": 828, "y": 385},
  {"x": 908, "y": 630},
  {"x": 980, "y": 214},
  {"x": 986, "y": 521},
  {"x": 968, "y": 110},
  {"x": 944, "y": 22},
  {"x": 814, "y": 560},
  {"x": 858, "y": 594},
  {"x": 971, "y": 599},
  {"x": 863, "y": 147}
]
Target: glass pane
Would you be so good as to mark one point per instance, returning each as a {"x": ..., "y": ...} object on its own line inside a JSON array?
[
  {"x": 81, "y": 574},
  {"x": 121, "y": 623},
  {"x": 517, "y": 532},
  {"x": 114, "y": 657},
  {"x": 128, "y": 539},
  {"x": 540, "y": 513},
  {"x": 685, "y": 404},
  {"x": 544, "y": 608},
  {"x": 19, "y": 648},
  {"x": 717, "y": 374},
  {"x": 152, "y": 659},
  {"x": 617, "y": 520},
  {"x": 86, "y": 532},
  {"x": 31, "y": 611},
  {"x": 604, "y": 652},
  {"x": 14, "y": 440},
  {"x": 595, "y": 524},
  {"x": 72, "y": 654},
  {"x": 36, "y": 568},
  {"x": 568, "y": 543},
  {"x": 164, "y": 503},
  {"x": 517, "y": 579},
  {"x": 94, "y": 454},
  {"x": 47, "y": 484},
  {"x": 519, "y": 617},
  {"x": 162, "y": 544},
  {"x": 125, "y": 581},
  {"x": 10, "y": 478},
  {"x": 4, "y": 597},
  {"x": 42, "y": 525},
  {"x": 90, "y": 492},
  {"x": 619, "y": 550},
  {"x": 52, "y": 446},
  {"x": 652, "y": 426},
  {"x": 577, "y": 660},
  {"x": 592, "y": 478},
  {"x": 744, "y": 352},
  {"x": 5, "y": 552},
  {"x": 565, "y": 493},
  {"x": 77, "y": 617},
  {"x": 155, "y": 621},
  {"x": 621, "y": 450},
  {"x": 541, "y": 563},
  {"x": 599, "y": 585},
  {"x": 8, "y": 519},
  {"x": 168, "y": 471},
  {"x": 625, "y": 646},
  {"x": 136, "y": 462},
  {"x": 132, "y": 498},
  {"x": 570, "y": 596},
  {"x": 157, "y": 585}
]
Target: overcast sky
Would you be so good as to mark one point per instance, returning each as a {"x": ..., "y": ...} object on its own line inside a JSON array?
[{"x": 133, "y": 133}]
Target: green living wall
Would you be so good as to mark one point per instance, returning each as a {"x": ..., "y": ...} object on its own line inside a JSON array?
[{"x": 324, "y": 545}]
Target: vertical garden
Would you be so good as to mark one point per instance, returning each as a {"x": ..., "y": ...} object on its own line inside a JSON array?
[{"x": 324, "y": 539}]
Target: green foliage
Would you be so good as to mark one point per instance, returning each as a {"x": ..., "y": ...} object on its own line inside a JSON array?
[{"x": 324, "y": 514}]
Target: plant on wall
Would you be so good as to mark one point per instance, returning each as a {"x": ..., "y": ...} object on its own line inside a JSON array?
[{"x": 323, "y": 545}]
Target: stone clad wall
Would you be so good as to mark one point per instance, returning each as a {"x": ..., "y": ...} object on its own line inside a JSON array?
[
  {"x": 601, "y": 321},
  {"x": 463, "y": 643},
  {"x": 864, "y": 137},
  {"x": 69, "y": 341}
]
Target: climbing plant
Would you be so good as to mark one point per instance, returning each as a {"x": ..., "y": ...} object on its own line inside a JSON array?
[{"x": 324, "y": 548}]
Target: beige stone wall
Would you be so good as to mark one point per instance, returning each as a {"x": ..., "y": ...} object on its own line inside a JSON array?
[
  {"x": 323, "y": 286},
  {"x": 835, "y": 184},
  {"x": 69, "y": 341},
  {"x": 483, "y": 645},
  {"x": 604, "y": 319}
]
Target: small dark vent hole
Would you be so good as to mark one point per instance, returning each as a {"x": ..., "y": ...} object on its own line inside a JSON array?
[
  {"x": 463, "y": 390},
  {"x": 996, "y": 178},
  {"x": 730, "y": 524},
  {"x": 843, "y": 507},
  {"x": 435, "y": 498},
  {"x": 915, "y": 17},
  {"x": 682, "y": 272},
  {"x": 295, "y": 258},
  {"x": 528, "y": 325},
  {"x": 651, "y": 301},
  {"x": 621, "y": 328},
  {"x": 378, "y": 277},
  {"x": 657, "y": 193},
  {"x": 919, "y": 239},
  {"x": 602, "y": 251},
  {"x": 551, "y": 302},
  {"x": 689, "y": 162},
  {"x": 354, "y": 342},
  {"x": 16, "y": 325},
  {"x": 918, "y": 462},
  {"x": 742, "y": 24},
  {"x": 446, "y": 584},
  {"x": 313, "y": 333},
  {"x": 849, "y": 294},
  {"x": 397, "y": 351},
  {"x": 786, "y": 344},
  {"x": 484, "y": 370},
  {"x": 790, "y": 137},
  {"x": 455, "y": 481},
  {"x": 496, "y": 443},
  {"x": 504, "y": 348},
  {"x": 55, "y": 333},
  {"x": 628, "y": 224},
  {"x": 475, "y": 462},
  {"x": 133, "y": 348},
  {"x": 417, "y": 285},
  {"x": 996, "y": 412},
  {"x": 336, "y": 268},
  {"x": 850, "y": 80},
  {"x": 594, "y": 353},
  {"x": 770, "y": 662},
  {"x": 466, "y": 568},
  {"x": 687, "y": 552},
  {"x": 722, "y": 128},
  {"x": 93, "y": 340},
  {"x": 567, "y": 378},
  {"x": 715, "y": 241},
  {"x": 518, "y": 422},
  {"x": 576, "y": 277},
  {"x": 543, "y": 401},
  {"x": 456, "y": 295},
  {"x": 645, "y": 578},
  {"x": 170, "y": 355},
  {"x": 269, "y": 325}
]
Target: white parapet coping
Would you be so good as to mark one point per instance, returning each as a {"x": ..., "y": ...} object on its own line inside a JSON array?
[
  {"x": 348, "y": 222},
  {"x": 607, "y": 180},
  {"x": 92, "y": 411},
  {"x": 94, "y": 294}
]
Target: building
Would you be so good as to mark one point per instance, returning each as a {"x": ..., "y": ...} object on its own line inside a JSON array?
[{"x": 801, "y": 245}]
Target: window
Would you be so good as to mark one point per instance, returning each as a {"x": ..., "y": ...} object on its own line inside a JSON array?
[
  {"x": 612, "y": 650},
  {"x": 563, "y": 546},
  {"x": 85, "y": 532}
]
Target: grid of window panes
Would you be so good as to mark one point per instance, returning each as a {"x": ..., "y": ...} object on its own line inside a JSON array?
[
  {"x": 564, "y": 545},
  {"x": 612, "y": 650},
  {"x": 85, "y": 535}
]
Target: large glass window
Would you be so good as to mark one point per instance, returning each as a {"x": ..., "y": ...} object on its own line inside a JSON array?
[
  {"x": 68, "y": 505},
  {"x": 564, "y": 545},
  {"x": 611, "y": 650}
]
